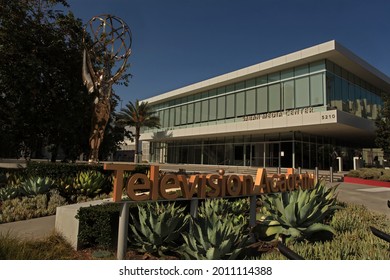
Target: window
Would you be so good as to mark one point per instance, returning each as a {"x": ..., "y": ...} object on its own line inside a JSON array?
[
  {"x": 171, "y": 117},
  {"x": 317, "y": 66},
  {"x": 230, "y": 106},
  {"x": 316, "y": 90},
  {"x": 240, "y": 104},
  {"x": 197, "y": 111},
  {"x": 184, "y": 114},
  {"x": 177, "y": 115},
  {"x": 274, "y": 77},
  {"x": 205, "y": 110},
  {"x": 229, "y": 88},
  {"x": 274, "y": 97},
  {"x": 221, "y": 90},
  {"x": 301, "y": 70},
  {"x": 302, "y": 92},
  {"x": 262, "y": 99},
  {"x": 261, "y": 80},
  {"x": 221, "y": 107},
  {"x": 288, "y": 95},
  {"x": 213, "y": 109},
  {"x": 190, "y": 114},
  {"x": 240, "y": 85},
  {"x": 251, "y": 102},
  {"x": 250, "y": 83},
  {"x": 166, "y": 118},
  {"x": 286, "y": 74}
]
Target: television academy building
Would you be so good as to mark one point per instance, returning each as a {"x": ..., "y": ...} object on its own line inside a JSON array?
[{"x": 291, "y": 111}]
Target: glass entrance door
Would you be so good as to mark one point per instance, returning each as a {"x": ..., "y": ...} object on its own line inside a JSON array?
[
  {"x": 272, "y": 154},
  {"x": 286, "y": 154},
  {"x": 257, "y": 154}
]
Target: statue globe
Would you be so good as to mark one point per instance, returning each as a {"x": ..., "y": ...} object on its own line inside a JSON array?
[{"x": 106, "y": 51}]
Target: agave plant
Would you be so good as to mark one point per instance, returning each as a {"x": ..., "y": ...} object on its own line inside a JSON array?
[
  {"x": 14, "y": 180},
  {"x": 36, "y": 185},
  {"x": 65, "y": 187},
  {"x": 214, "y": 238},
  {"x": 89, "y": 183},
  {"x": 297, "y": 215},
  {"x": 237, "y": 210},
  {"x": 157, "y": 227},
  {"x": 9, "y": 193}
]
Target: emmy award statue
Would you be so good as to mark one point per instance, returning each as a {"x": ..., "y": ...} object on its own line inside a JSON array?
[{"x": 105, "y": 56}]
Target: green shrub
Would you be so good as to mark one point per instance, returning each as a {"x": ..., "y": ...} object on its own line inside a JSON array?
[
  {"x": 157, "y": 226},
  {"x": 296, "y": 215},
  {"x": 354, "y": 173},
  {"x": 371, "y": 174},
  {"x": 353, "y": 239},
  {"x": 349, "y": 218},
  {"x": 55, "y": 200},
  {"x": 59, "y": 170},
  {"x": 25, "y": 208},
  {"x": 385, "y": 177},
  {"x": 98, "y": 225}
]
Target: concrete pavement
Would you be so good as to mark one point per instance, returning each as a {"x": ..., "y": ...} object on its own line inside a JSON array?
[{"x": 374, "y": 198}]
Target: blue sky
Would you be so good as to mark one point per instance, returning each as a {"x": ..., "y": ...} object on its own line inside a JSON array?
[{"x": 180, "y": 42}]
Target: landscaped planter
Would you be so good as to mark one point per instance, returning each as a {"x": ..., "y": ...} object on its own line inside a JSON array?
[{"x": 375, "y": 183}]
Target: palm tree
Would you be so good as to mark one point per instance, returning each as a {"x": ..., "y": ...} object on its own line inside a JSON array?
[{"x": 138, "y": 115}]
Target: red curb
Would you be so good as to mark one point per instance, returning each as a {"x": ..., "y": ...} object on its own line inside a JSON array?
[{"x": 375, "y": 183}]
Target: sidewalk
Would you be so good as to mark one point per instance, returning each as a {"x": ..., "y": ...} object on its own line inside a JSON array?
[
  {"x": 374, "y": 198},
  {"x": 30, "y": 229}
]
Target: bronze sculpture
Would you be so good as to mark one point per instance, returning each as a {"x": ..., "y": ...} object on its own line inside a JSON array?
[{"x": 108, "y": 51}]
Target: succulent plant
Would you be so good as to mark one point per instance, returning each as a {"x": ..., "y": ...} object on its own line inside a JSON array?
[
  {"x": 237, "y": 211},
  {"x": 157, "y": 227},
  {"x": 297, "y": 215},
  {"x": 36, "y": 185},
  {"x": 9, "y": 193},
  {"x": 214, "y": 238},
  {"x": 14, "y": 179},
  {"x": 89, "y": 183}
]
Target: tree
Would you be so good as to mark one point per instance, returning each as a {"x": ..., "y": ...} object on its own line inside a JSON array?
[
  {"x": 138, "y": 115},
  {"x": 42, "y": 98},
  {"x": 382, "y": 123}
]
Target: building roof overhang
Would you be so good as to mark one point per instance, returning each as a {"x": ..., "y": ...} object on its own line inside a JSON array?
[{"x": 330, "y": 50}]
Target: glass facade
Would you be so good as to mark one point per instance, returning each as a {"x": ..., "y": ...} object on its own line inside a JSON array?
[
  {"x": 289, "y": 89},
  {"x": 321, "y": 85},
  {"x": 349, "y": 93},
  {"x": 290, "y": 149}
]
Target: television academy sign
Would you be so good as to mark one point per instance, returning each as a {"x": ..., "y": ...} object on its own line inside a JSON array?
[{"x": 140, "y": 187}]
